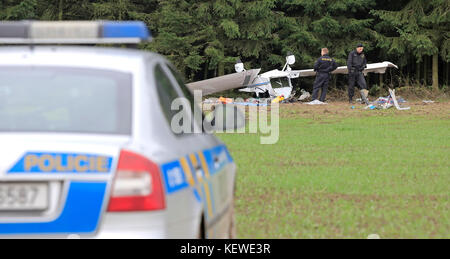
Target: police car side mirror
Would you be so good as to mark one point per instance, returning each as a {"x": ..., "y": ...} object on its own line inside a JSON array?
[{"x": 227, "y": 117}]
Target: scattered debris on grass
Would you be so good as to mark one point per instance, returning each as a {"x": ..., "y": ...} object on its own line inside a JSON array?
[
  {"x": 246, "y": 102},
  {"x": 225, "y": 100},
  {"x": 278, "y": 99},
  {"x": 211, "y": 101},
  {"x": 305, "y": 95},
  {"x": 371, "y": 107},
  {"x": 384, "y": 103},
  {"x": 250, "y": 104}
]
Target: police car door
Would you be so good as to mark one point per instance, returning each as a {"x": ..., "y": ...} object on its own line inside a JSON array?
[
  {"x": 184, "y": 205},
  {"x": 58, "y": 149},
  {"x": 214, "y": 170}
]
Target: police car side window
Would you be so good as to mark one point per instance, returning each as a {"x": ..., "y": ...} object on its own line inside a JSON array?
[
  {"x": 167, "y": 93},
  {"x": 188, "y": 95}
]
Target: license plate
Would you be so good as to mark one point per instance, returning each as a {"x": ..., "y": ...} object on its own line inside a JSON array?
[{"x": 23, "y": 196}]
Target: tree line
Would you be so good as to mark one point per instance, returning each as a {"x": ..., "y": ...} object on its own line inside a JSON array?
[{"x": 203, "y": 38}]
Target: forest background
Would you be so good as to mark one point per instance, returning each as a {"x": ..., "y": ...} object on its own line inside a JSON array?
[{"x": 204, "y": 38}]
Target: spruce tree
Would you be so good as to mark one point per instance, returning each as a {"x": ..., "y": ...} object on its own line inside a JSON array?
[
  {"x": 18, "y": 10},
  {"x": 420, "y": 27},
  {"x": 309, "y": 25}
]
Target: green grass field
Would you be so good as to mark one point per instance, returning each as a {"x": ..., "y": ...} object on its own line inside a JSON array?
[{"x": 343, "y": 173}]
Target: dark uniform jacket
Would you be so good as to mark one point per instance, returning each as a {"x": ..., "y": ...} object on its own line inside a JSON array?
[
  {"x": 325, "y": 64},
  {"x": 356, "y": 62}
]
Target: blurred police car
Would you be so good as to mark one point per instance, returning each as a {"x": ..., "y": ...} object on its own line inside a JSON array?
[{"x": 86, "y": 145}]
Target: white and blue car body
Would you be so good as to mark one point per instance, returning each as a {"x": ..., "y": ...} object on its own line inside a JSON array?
[{"x": 86, "y": 145}]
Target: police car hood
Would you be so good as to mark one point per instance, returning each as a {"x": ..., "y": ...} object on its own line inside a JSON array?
[{"x": 67, "y": 155}]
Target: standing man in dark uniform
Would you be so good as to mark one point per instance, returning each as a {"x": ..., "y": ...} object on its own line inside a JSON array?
[
  {"x": 356, "y": 63},
  {"x": 323, "y": 67}
]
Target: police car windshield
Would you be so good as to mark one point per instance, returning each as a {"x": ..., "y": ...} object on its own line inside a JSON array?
[{"x": 66, "y": 100}]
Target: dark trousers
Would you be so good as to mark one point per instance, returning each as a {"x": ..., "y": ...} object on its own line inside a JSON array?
[
  {"x": 322, "y": 80},
  {"x": 359, "y": 79}
]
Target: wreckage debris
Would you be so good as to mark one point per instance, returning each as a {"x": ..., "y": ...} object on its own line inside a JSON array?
[
  {"x": 250, "y": 104},
  {"x": 225, "y": 100},
  {"x": 380, "y": 103},
  {"x": 305, "y": 95},
  {"x": 278, "y": 99},
  {"x": 246, "y": 102},
  {"x": 390, "y": 101}
]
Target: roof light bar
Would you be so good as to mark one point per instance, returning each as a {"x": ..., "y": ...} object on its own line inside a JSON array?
[{"x": 73, "y": 32}]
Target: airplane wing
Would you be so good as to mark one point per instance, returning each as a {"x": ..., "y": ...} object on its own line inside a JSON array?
[
  {"x": 226, "y": 82},
  {"x": 379, "y": 68}
]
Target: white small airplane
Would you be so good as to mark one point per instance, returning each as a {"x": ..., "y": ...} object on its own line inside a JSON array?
[{"x": 273, "y": 83}]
